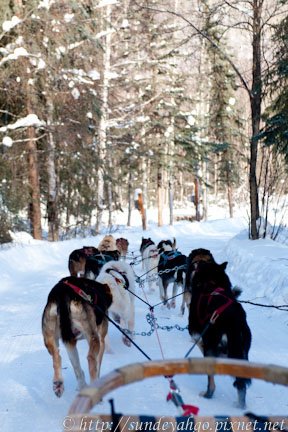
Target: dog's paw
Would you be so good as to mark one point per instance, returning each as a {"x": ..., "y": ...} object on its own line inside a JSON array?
[
  {"x": 208, "y": 394},
  {"x": 58, "y": 388},
  {"x": 127, "y": 342},
  {"x": 182, "y": 311}
]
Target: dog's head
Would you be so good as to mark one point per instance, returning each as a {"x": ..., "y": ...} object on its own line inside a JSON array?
[
  {"x": 166, "y": 245},
  {"x": 122, "y": 245},
  {"x": 145, "y": 243},
  {"x": 195, "y": 257},
  {"x": 108, "y": 243},
  {"x": 200, "y": 254},
  {"x": 77, "y": 262},
  {"x": 210, "y": 275}
]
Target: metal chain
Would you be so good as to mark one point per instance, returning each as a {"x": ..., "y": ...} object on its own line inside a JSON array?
[
  {"x": 152, "y": 321},
  {"x": 174, "y": 269},
  {"x": 154, "y": 277}
]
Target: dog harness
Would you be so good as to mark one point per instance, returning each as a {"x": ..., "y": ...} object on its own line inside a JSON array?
[
  {"x": 215, "y": 314},
  {"x": 81, "y": 293},
  {"x": 122, "y": 281},
  {"x": 168, "y": 256}
]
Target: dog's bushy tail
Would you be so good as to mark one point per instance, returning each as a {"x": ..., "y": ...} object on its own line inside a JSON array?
[{"x": 65, "y": 320}]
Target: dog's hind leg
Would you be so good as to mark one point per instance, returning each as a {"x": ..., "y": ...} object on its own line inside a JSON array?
[
  {"x": 125, "y": 326},
  {"x": 50, "y": 331},
  {"x": 75, "y": 361},
  {"x": 92, "y": 357},
  {"x": 131, "y": 323},
  {"x": 241, "y": 384},
  {"x": 174, "y": 293},
  {"x": 210, "y": 388},
  {"x": 162, "y": 290},
  {"x": 96, "y": 343},
  {"x": 103, "y": 330},
  {"x": 53, "y": 349},
  {"x": 208, "y": 394},
  {"x": 239, "y": 341},
  {"x": 186, "y": 300}
]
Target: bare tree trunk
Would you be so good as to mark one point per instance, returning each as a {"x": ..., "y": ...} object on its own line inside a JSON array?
[
  {"x": 230, "y": 199},
  {"x": 181, "y": 189},
  {"x": 142, "y": 211},
  {"x": 109, "y": 189},
  {"x": 53, "y": 223},
  {"x": 255, "y": 102},
  {"x": 147, "y": 195},
  {"x": 34, "y": 183},
  {"x": 144, "y": 170},
  {"x": 196, "y": 199},
  {"x": 170, "y": 202},
  {"x": 68, "y": 210},
  {"x": 205, "y": 192},
  {"x": 104, "y": 116},
  {"x": 34, "y": 207},
  {"x": 129, "y": 198},
  {"x": 159, "y": 197}
]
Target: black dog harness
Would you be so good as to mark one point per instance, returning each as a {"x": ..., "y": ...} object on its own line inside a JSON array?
[{"x": 123, "y": 280}]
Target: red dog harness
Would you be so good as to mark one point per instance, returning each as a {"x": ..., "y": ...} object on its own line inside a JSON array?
[
  {"x": 212, "y": 317},
  {"x": 81, "y": 293}
]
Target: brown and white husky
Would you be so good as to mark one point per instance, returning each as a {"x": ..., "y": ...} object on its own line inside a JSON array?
[{"x": 76, "y": 308}]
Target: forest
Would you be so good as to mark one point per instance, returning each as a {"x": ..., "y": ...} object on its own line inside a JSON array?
[{"x": 186, "y": 100}]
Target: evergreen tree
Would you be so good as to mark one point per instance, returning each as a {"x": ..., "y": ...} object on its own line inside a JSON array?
[
  {"x": 223, "y": 117},
  {"x": 276, "y": 116}
]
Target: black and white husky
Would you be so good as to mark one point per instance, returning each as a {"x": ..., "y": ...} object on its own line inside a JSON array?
[{"x": 171, "y": 269}]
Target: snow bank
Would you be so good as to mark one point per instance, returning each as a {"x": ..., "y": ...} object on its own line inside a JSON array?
[{"x": 263, "y": 263}]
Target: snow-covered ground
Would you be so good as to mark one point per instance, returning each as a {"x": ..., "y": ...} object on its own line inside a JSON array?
[{"x": 29, "y": 269}]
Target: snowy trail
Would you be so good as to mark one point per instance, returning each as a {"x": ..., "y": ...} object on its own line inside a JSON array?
[{"x": 27, "y": 401}]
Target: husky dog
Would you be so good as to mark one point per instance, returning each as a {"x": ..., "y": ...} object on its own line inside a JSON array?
[
  {"x": 214, "y": 304},
  {"x": 194, "y": 257},
  {"x": 118, "y": 275},
  {"x": 171, "y": 269},
  {"x": 76, "y": 308},
  {"x": 122, "y": 246},
  {"x": 108, "y": 243},
  {"x": 150, "y": 259},
  {"x": 87, "y": 262}
]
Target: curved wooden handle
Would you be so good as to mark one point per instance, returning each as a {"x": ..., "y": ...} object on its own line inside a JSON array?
[{"x": 90, "y": 396}]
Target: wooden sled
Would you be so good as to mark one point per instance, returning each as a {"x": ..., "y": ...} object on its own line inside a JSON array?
[{"x": 80, "y": 420}]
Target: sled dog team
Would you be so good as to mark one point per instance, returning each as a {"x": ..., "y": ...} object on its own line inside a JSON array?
[{"x": 101, "y": 287}]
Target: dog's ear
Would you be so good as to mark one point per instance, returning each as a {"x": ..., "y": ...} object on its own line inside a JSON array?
[{"x": 224, "y": 265}]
